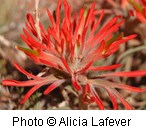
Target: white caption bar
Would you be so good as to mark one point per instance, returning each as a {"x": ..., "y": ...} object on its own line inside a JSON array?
[{"x": 67, "y": 121}]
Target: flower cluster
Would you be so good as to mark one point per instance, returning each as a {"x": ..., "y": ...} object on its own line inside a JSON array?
[
  {"x": 140, "y": 8},
  {"x": 70, "y": 49}
]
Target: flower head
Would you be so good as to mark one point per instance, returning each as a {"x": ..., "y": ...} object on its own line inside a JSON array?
[{"x": 70, "y": 48}]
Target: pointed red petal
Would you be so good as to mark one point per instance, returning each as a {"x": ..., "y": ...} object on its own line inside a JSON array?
[
  {"x": 97, "y": 98},
  {"x": 25, "y": 72},
  {"x": 50, "y": 64},
  {"x": 55, "y": 37},
  {"x": 97, "y": 24},
  {"x": 66, "y": 65},
  {"x": 113, "y": 99},
  {"x": 105, "y": 84},
  {"x": 30, "y": 92},
  {"x": 90, "y": 14},
  {"x": 80, "y": 24},
  {"x": 124, "y": 102},
  {"x": 111, "y": 30},
  {"x": 52, "y": 58},
  {"x": 31, "y": 21},
  {"x": 21, "y": 83},
  {"x": 102, "y": 31},
  {"x": 43, "y": 29},
  {"x": 85, "y": 68},
  {"x": 127, "y": 87},
  {"x": 67, "y": 13},
  {"x": 51, "y": 18},
  {"x": 123, "y": 40},
  {"x": 105, "y": 67},
  {"x": 58, "y": 12},
  {"x": 126, "y": 74},
  {"x": 53, "y": 86},
  {"x": 96, "y": 54},
  {"x": 141, "y": 17},
  {"x": 75, "y": 84},
  {"x": 30, "y": 29},
  {"x": 26, "y": 41}
]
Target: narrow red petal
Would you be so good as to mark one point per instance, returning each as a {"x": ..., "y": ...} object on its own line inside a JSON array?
[
  {"x": 58, "y": 12},
  {"x": 25, "y": 72},
  {"x": 36, "y": 44},
  {"x": 26, "y": 41},
  {"x": 31, "y": 21},
  {"x": 66, "y": 65},
  {"x": 21, "y": 83},
  {"x": 67, "y": 13},
  {"x": 52, "y": 58},
  {"x": 55, "y": 37},
  {"x": 50, "y": 64},
  {"x": 31, "y": 41},
  {"x": 127, "y": 87},
  {"x": 97, "y": 99},
  {"x": 105, "y": 84},
  {"x": 97, "y": 24},
  {"x": 53, "y": 86},
  {"x": 63, "y": 48},
  {"x": 105, "y": 67},
  {"x": 126, "y": 74},
  {"x": 141, "y": 17},
  {"x": 75, "y": 84},
  {"x": 90, "y": 14},
  {"x": 80, "y": 24},
  {"x": 83, "y": 40},
  {"x": 102, "y": 31},
  {"x": 42, "y": 29},
  {"x": 96, "y": 54},
  {"x": 123, "y": 40},
  {"x": 30, "y": 29},
  {"x": 111, "y": 30},
  {"x": 112, "y": 97},
  {"x": 85, "y": 68},
  {"x": 51, "y": 18},
  {"x": 124, "y": 102},
  {"x": 30, "y": 92}
]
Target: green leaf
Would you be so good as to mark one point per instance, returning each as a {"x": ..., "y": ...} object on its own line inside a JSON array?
[
  {"x": 114, "y": 38},
  {"x": 135, "y": 5},
  {"x": 28, "y": 51},
  {"x": 86, "y": 12}
]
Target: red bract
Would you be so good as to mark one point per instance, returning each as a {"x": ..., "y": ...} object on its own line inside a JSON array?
[
  {"x": 140, "y": 8},
  {"x": 70, "y": 48}
]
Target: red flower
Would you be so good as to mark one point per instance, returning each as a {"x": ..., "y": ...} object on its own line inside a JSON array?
[
  {"x": 70, "y": 49},
  {"x": 140, "y": 8}
]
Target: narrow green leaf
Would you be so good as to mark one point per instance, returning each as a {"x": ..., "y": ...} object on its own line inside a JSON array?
[
  {"x": 114, "y": 38},
  {"x": 27, "y": 50},
  {"x": 135, "y": 5},
  {"x": 86, "y": 12}
]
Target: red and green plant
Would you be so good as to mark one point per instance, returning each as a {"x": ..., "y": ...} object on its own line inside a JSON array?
[
  {"x": 140, "y": 9},
  {"x": 71, "y": 48}
]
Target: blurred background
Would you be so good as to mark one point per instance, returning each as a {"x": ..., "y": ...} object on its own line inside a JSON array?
[{"x": 12, "y": 20}]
